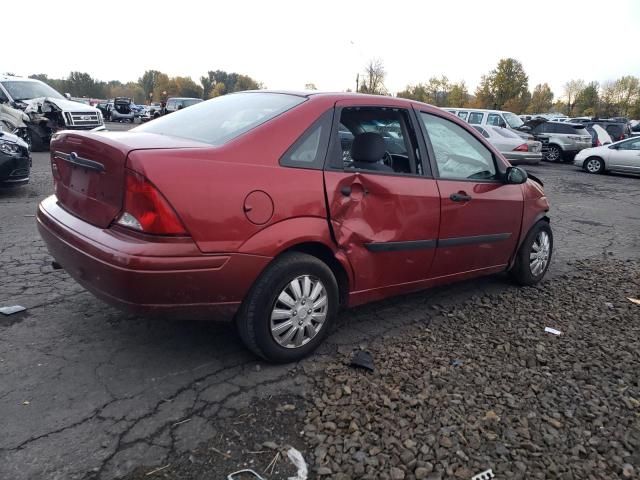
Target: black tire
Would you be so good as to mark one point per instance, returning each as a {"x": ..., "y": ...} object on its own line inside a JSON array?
[
  {"x": 38, "y": 144},
  {"x": 593, "y": 165},
  {"x": 254, "y": 317},
  {"x": 522, "y": 271},
  {"x": 554, "y": 153}
]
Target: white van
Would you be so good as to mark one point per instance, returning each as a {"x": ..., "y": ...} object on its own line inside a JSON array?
[{"x": 481, "y": 116}]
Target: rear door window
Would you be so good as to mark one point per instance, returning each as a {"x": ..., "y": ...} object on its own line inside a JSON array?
[
  {"x": 459, "y": 155},
  {"x": 310, "y": 150},
  {"x": 482, "y": 131},
  {"x": 495, "y": 119},
  {"x": 476, "y": 118},
  {"x": 463, "y": 115}
]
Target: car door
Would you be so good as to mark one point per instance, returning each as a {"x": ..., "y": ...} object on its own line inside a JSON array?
[
  {"x": 480, "y": 215},
  {"x": 626, "y": 156},
  {"x": 384, "y": 216}
]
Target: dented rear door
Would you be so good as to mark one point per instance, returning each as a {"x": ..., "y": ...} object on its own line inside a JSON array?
[{"x": 387, "y": 224}]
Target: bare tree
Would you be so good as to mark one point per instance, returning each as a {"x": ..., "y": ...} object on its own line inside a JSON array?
[
  {"x": 373, "y": 81},
  {"x": 571, "y": 90}
]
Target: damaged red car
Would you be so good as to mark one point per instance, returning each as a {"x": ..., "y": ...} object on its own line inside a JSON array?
[{"x": 277, "y": 209}]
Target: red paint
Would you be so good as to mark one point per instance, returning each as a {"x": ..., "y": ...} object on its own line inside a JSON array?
[{"x": 241, "y": 209}]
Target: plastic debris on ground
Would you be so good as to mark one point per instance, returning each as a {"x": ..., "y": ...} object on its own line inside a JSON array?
[
  {"x": 246, "y": 474},
  {"x": 634, "y": 300},
  {"x": 298, "y": 460},
  {"x": 12, "y": 309},
  {"x": 552, "y": 330},
  {"x": 362, "y": 359},
  {"x": 455, "y": 362},
  {"x": 486, "y": 475}
]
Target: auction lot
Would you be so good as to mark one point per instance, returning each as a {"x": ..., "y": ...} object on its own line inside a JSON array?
[{"x": 466, "y": 378}]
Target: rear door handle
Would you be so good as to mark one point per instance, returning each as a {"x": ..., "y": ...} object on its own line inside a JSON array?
[
  {"x": 460, "y": 197},
  {"x": 346, "y": 191}
]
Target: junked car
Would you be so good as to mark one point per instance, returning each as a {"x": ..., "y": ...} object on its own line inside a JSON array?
[
  {"x": 15, "y": 160},
  {"x": 13, "y": 120},
  {"x": 622, "y": 156},
  {"x": 119, "y": 110},
  {"x": 514, "y": 148},
  {"x": 247, "y": 207},
  {"x": 48, "y": 110}
]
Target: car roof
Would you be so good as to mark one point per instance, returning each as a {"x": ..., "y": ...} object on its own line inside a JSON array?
[{"x": 7, "y": 78}]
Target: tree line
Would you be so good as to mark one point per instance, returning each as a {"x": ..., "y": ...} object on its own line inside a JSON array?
[
  {"x": 506, "y": 87},
  {"x": 152, "y": 86}
]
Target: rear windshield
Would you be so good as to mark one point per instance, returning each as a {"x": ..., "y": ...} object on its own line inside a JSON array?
[{"x": 224, "y": 118}]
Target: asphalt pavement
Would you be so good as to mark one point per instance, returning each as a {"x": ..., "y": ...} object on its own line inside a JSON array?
[{"x": 89, "y": 392}]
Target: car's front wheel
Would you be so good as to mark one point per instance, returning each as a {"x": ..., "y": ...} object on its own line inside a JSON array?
[
  {"x": 289, "y": 309},
  {"x": 534, "y": 256},
  {"x": 593, "y": 165}
]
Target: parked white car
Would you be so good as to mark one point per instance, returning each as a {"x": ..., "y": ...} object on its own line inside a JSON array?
[
  {"x": 622, "y": 156},
  {"x": 511, "y": 145}
]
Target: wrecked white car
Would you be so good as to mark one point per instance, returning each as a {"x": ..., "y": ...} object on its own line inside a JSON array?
[
  {"x": 47, "y": 110},
  {"x": 14, "y": 121}
]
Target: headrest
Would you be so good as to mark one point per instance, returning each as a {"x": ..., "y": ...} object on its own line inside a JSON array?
[{"x": 368, "y": 147}]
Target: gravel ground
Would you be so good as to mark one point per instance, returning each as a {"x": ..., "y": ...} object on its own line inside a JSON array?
[
  {"x": 483, "y": 386},
  {"x": 463, "y": 389}
]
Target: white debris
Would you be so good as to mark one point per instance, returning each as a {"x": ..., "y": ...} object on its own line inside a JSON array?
[
  {"x": 298, "y": 460},
  {"x": 486, "y": 475},
  {"x": 634, "y": 300},
  {"x": 11, "y": 310},
  {"x": 552, "y": 330}
]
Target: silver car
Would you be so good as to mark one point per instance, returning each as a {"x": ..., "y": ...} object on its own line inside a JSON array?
[
  {"x": 514, "y": 148},
  {"x": 565, "y": 139},
  {"x": 622, "y": 156}
]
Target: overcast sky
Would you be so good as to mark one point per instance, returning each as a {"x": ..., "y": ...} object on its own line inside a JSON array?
[{"x": 288, "y": 44}]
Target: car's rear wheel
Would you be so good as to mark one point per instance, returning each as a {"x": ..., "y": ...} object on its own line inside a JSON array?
[
  {"x": 289, "y": 309},
  {"x": 534, "y": 256},
  {"x": 554, "y": 153},
  {"x": 593, "y": 165}
]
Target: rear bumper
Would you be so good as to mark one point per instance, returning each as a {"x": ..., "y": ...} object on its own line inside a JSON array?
[
  {"x": 154, "y": 275},
  {"x": 523, "y": 158}
]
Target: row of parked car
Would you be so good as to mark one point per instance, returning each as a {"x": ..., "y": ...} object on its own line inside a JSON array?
[
  {"x": 123, "y": 109},
  {"x": 531, "y": 138}
]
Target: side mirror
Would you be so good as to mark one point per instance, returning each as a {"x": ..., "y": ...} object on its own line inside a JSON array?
[
  {"x": 67, "y": 96},
  {"x": 516, "y": 175}
]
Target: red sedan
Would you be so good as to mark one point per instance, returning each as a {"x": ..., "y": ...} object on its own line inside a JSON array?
[{"x": 276, "y": 209}]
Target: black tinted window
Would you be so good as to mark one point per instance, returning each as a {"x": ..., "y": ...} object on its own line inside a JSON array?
[
  {"x": 476, "y": 117},
  {"x": 223, "y": 118},
  {"x": 310, "y": 149}
]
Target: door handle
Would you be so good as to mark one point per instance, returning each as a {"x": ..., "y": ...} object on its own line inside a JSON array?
[
  {"x": 347, "y": 190},
  {"x": 460, "y": 197}
]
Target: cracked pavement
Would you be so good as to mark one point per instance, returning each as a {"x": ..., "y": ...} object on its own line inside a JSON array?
[{"x": 87, "y": 392}]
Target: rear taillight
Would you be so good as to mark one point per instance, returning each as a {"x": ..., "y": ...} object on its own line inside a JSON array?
[
  {"x": 522, "y": 148},
  {"x": 146, "y": 210}
]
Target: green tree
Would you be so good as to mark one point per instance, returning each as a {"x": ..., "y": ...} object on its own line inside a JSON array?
[
  {"x": 458, "y": 95},
  {"x": 587, "y": 100},
  {"x": 541, "y": 99},
  {"x": 414, "y": 92},
  {"x": 484, "y": 96},
  {"x": 148, "y": 81},
  {"x": 231, "y": 82},
  {"x": 509, "y": 82}
]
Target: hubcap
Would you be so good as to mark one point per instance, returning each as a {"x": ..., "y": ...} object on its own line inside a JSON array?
[
  {"x": 593, "y": 166},
  {"x": 299, "y": 312},
  {"x": 540, "y": 251}
]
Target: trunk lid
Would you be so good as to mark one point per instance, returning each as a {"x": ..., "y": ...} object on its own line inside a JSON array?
[{"x": 89, "y": 169}]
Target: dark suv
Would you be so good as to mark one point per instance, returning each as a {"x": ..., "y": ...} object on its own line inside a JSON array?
[{"x": 617, "y": 129}]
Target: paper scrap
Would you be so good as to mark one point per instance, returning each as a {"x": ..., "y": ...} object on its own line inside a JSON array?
[{"x": 552, "y": 330}]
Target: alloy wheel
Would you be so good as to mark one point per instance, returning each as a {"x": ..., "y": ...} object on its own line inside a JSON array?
[
  {"x": 539, "y": 255},
  {"x": 553, "y": 154},
  {"x": 299, "y": 312}
]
